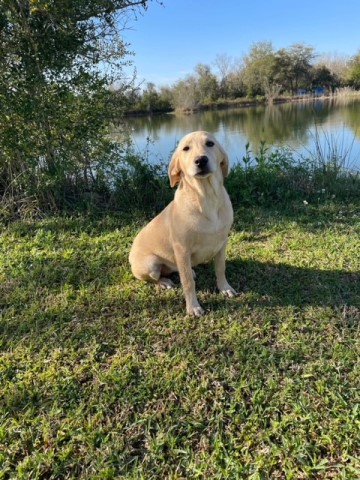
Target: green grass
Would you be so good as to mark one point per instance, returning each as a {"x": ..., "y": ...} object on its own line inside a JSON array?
[{"x": 102, "y": 376}]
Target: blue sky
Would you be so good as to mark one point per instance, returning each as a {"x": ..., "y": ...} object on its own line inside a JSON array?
[{"x": 169, "y": 40}]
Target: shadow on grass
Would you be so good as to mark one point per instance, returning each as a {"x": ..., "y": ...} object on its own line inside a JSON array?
[
  {"x": 282, "y": 284},
  {"x": 312, "y": 218},
  {"x": 260, "y": 285},
  {"x": 78, "y": 224},
  {"x": 276, "y": 285}
]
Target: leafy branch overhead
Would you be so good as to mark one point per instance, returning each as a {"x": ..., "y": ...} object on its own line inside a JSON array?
[{"x": 50, "y": 36}]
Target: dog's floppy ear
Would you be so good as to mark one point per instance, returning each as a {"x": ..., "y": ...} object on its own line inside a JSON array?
[
  {"x": 174, "y": 170},
  {"x": 224, "y": 162}
]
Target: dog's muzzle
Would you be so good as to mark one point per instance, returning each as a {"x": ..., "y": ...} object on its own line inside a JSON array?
[{"x": 202, "y": 164}]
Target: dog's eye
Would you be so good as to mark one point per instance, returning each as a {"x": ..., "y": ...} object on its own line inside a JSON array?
[
  {"x": 209, "y": 143},
  {"x": 185, "y": 149}
]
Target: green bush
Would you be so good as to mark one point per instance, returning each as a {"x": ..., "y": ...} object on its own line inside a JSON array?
[
  {"x": 56, "y": 104},
  {"x": 141, "y": 186},
  {"x": 275, "y": 176}
]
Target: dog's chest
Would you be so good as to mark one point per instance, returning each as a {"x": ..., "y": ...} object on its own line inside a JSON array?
[{"x": 209, "y": 239}]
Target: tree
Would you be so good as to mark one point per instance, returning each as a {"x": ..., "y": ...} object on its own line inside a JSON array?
[
  {"x": 337, "y": 65},
  {"x": 206, "y": 83},
  {"x": 271, "y": 90},
  {"x": 151, "y": 100},
  {"x": 150, "y": 97},
  {"x": 195, "y": 90},
  {"x": 292, "y": 67},
  {"x": 55, "y": 98},
  {"x": 235, "y": 83},
  {"x": 353, "y": 75},
  {"x": 322, "y": 77},
  {"x": 185, "y": 94},
  {"x": 258, "y": 68},
  {"x": 224, "y": 63}
]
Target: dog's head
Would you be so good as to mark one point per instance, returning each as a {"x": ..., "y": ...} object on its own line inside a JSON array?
[{"x": 198, "y": 156}]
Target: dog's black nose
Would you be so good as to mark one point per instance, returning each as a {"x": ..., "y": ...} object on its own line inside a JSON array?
[{"x": 201, "y": 161}]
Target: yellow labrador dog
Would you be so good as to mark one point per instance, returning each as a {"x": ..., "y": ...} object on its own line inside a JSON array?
[{"x": 194, "y": 227}]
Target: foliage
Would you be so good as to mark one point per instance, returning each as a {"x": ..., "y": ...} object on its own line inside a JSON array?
[
  {"x": 224, "y": 65},
  {"x": 55, "y": 100},
  {"x": 184, "y": 95},
  {"x": 353, "y": 74},
  {"x": 322, "y": 77},
  {"x": 293, "y": 67},
  {"x": 141, "y": 186},
  {"x": 206, "y": 83},
  {"x": 258, "y": 67},
  {"x": 103, "y": 377},
  {"x": 337, "y": 65},
  {"x": 151, "y": 101},
  {"x": 195, "y": 90},
  {"x": 235, "y": 84},
  {"x": 274, "y": 176}
]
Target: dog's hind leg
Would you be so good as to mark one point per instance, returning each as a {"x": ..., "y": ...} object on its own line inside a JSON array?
[{"x": 158, "y": 272}]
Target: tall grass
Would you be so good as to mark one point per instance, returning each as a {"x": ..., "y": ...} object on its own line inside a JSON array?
[
  {"x": 270, "y": 176},
  {"x": 332, "y": 165},
  {"x": 331, "y": 151},
  {"x": 346, "y": 92}
]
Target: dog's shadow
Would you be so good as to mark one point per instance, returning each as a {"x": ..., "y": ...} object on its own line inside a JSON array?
[{"x": 279, "y": 284}]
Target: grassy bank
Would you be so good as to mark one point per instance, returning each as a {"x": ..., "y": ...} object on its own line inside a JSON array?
[{"x": 105, "y": 377}]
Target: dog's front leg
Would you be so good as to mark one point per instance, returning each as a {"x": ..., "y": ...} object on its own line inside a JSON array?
[
  {"x": 221, "y": 281},
  {"x": 183, "y": 262}
]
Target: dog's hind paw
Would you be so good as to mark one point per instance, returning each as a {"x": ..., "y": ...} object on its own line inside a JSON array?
[{"x": 165, "y": 283}]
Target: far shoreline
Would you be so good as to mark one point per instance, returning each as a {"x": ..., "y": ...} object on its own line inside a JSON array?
[{"x": 242, "y": 103}]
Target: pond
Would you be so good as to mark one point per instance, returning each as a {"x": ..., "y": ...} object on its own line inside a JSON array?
[{"x": 332, "y": 123}]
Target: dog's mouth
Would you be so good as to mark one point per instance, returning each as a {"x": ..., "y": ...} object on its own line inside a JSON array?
[{"x": 204, "y": 172}]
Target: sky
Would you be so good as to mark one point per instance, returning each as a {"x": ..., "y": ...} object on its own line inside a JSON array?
[{"x": 168, "y": 40}]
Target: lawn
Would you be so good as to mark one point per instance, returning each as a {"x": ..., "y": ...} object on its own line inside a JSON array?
[{"x": 102, "y": 376}]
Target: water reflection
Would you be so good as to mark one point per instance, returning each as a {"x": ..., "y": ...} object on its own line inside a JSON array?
[
  {"x": 289, "y": 124},
  {"x": 350, "y": 114}
]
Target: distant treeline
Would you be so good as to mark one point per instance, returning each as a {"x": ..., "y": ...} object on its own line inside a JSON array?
[{"x": 263, "y": 75}]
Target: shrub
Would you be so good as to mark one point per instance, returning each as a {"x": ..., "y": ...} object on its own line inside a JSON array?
[
  {"x": 55, "y": 101},
  {"x": 274, "y": 176},
  {"x": 140, "y": 185}
]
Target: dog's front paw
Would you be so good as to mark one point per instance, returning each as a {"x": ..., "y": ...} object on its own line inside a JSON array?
[
  {"x": 195, "y": 311},
  {"x": 228, "y": 291}
]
